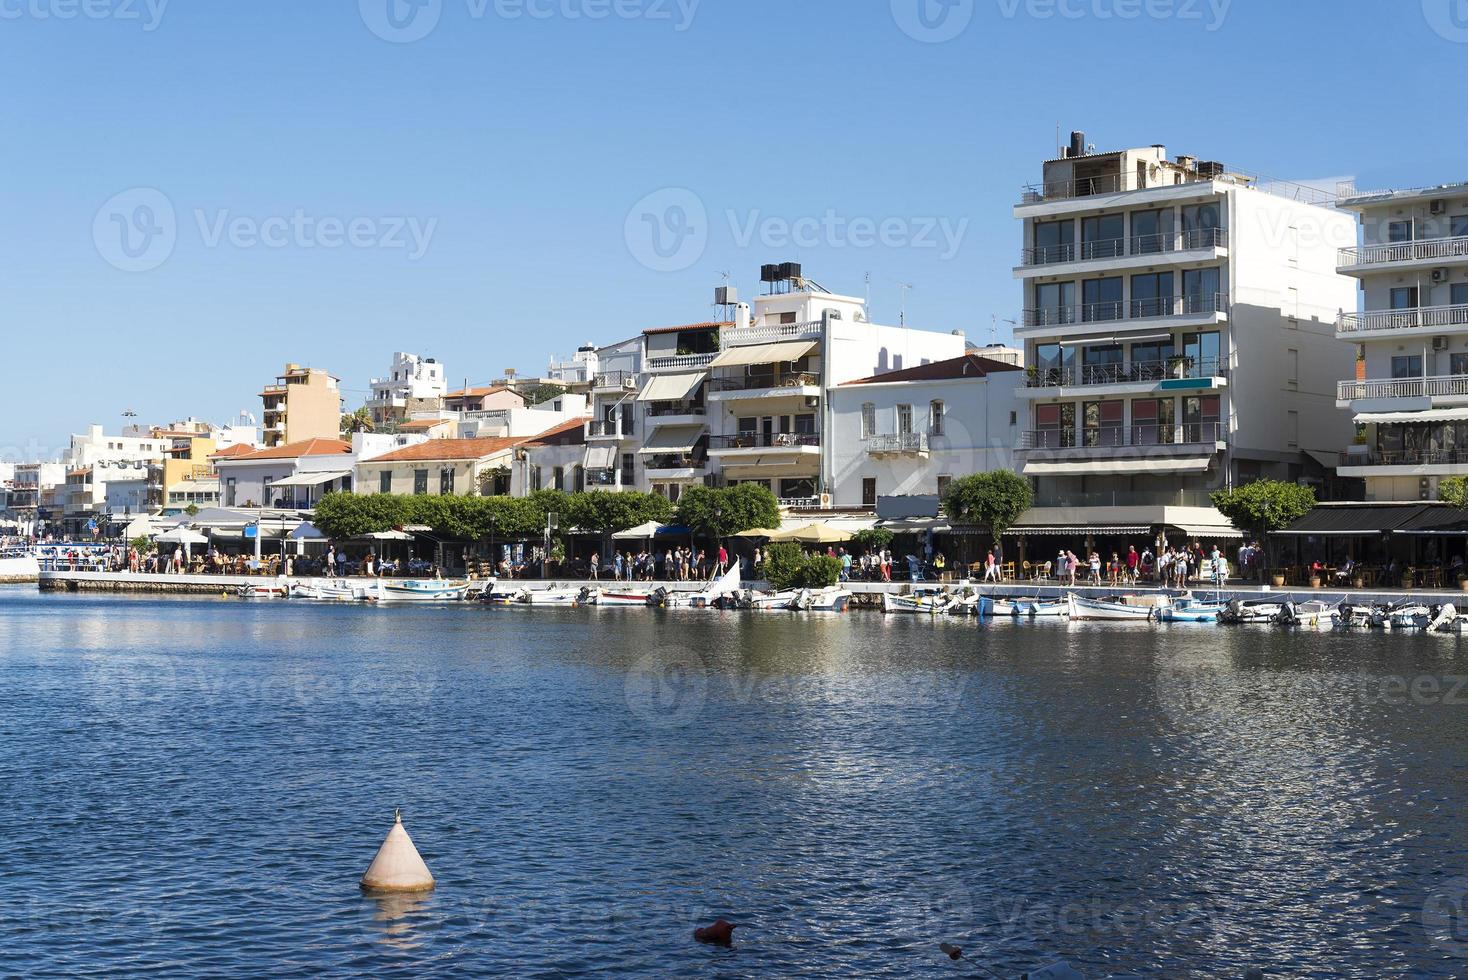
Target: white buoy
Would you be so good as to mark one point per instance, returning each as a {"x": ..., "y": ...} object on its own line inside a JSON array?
[{"x": 398, "y": 867}]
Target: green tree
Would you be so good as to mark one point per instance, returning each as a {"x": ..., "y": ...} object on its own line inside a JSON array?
[
  {"x": 1454, "y": 490},
  {"x": 346, "y": 515},
  {"x": 613, "y": 512},
  {"x": 1265, "y": 506},
  {"x": 872, "y": 539},
  {"x": 543, "y": 393},
  {"x": 787, "y": 566},
  {"x": 994, "y": 500},
  {"x": 358, "y": 421},
  {"x": 720, "y": 512}
]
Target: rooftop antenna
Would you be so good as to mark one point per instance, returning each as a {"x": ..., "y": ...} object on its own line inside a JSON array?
[
  {"x": 902, "y": 315},
  {"x": 994, "y": 322}
]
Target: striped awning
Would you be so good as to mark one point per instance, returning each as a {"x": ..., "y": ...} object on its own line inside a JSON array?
[
  {"x": 787, "y": 350},
  {"x": 1076, "y": 530}
]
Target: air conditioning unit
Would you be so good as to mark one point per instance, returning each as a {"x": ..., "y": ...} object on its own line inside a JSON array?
[
  {"x": 1439, "y": 275},
  {"x": 1437, "y": 207},
  {"x": 825, "y": 501},
  {"x": 1439, "y": 343},
  {"x": 812, "y": 401}
]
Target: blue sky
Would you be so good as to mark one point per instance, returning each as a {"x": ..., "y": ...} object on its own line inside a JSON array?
[{"x": 340, "y": 190}]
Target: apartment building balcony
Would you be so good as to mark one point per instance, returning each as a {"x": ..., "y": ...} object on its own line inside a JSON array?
[
  {"x": 1407, "y": 393},
  {"x": 1412, "y": 322},
  {"x": 763, "y": 386},
  {"x": 1088, "y": 318},
  {"x": 1183, "y": 448},
  {"x": 1423, "y": 253},
  {"x": 770, "y": 334},
  {"x": 679, "y": 362},
  {"x": 1201, "y": 245},
  {"x": 1127, "y": 378},
  {"x": 897, "y": 444},
  {"x": 766, "y": 448},
  {"x": 675, "y": 466},
  {"x": 614, "y": 381},
  {"x": 615, "y": 429}
]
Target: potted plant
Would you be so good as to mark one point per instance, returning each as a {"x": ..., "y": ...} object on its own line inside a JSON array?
[
  {"x": 1178, "y": 365},
  {"x": 1277, "y": 580},
  {"x": 1314, "y": 581},
  {"x": 1358, "y": 581}
]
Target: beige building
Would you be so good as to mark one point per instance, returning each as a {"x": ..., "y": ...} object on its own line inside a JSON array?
[
  {"x": 303, "y": 404},
  {"x": 452, "y": 467}
]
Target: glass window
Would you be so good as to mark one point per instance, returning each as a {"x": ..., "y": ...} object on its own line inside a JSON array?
[
  {"x": 629, "y": 463},
  {"x": 943, "y": 482},
  {"x": 1152, "y": 294},
  {"x": 1458, "y": 296},
  {"x": 935, "y": 418},
  {"x": 805, "y": 425},
  {"x": 1202, "y": 353},
  {"x": 1054, "y": 364},
  {"x": 1054, "y": 302},
  {"x": 1200, "y": 418},
  {"x": 869, "y": 491},
  {"x": 1102, "y": 364},
  {"x": 1458, "y": 226},
  {"x": 1151, "y": 232},
  {"x": 1056, "y": 425},
  {"x": 558, "y": 478},
  {"x": 446, "y": 481},
  {"x": 1102, "y": 237},
  {"x": 868, "y": 420},
  {"x": 1202, "y": 291},
  {"x": 420, "y": 482},
  {"x": 1201, "y": 223},
  {"x": 1103, "y": 423},
  {"x": 1404, "y": 298},
  {"x": 1458, "y": 364},
  {"x": 1152, "y": 421},
  {"x": 1399, "y": 231},
  {"x": 904, "y": 419},
  {"x": 1101, "y": 299},
  {"x": 1054, "y": 241},
  {"x": 1407, "y": 366}
]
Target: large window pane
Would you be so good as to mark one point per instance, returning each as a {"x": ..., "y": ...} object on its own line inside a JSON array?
[
  {"x": 1101, "y": 299},
  {"x": 1102, "y": 237}
]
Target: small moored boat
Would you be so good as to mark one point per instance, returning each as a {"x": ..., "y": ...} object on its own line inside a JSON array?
[
  {"x": 420, "y": 590},
  {"x": 1081, "y": 608}
]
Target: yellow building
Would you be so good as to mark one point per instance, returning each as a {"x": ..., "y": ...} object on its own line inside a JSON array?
[{"x": 303, "y": 404}]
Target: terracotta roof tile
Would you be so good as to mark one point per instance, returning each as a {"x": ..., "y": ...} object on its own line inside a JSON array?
[
  {"x": 448, "y": 449},
  {"x": 706, "y": 325},
  {"x": 295, "y": 450}
]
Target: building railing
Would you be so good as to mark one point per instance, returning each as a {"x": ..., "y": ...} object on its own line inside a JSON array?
[
  {"x": 606, "y": 429},
  {"x": 1405, "y": 457},
  {"x": 601, "y": 478},
  {"x": 798, "y": 503},
  {"x": 1130, "y": 372},
  {"x": 897, "y": 442},
  {"x": 1439, "y": 385},
  {"x": 1429, "y": 317},
  {"x": 1114, "y": 437},
  {"x": 675, "y": 461},
  {"x": 662, "y": 409},
  {"x": 758, "y": 382},
  {"x": 1386, "y": 254},
  {"x": 759, "y": 440},
  {"x": 1116, "y": 182},
  {"x": 809, "y": 330},
  {"x": 670, "y": 362},
  {"x": 1197, "y": 304},
  {"x": 1177, "y": 241},
  {"x": 614, "y": 379},
  {"x": 1124, "y": 498}
]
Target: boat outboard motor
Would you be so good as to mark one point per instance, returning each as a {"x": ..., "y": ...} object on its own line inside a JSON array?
[{"x": 1444, "y": 618}]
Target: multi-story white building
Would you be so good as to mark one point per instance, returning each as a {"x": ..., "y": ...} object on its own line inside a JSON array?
[
  {"x": 1410, "y": 396},
  {"x": 1178, "y": 328},
  {"x": 907, "y": 433},
  {"x": 612, "y": 436},
  {"x": 414, "y": 383}
]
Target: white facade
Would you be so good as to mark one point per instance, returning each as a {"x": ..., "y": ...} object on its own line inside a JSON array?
[
  {"x": 522, "y": 422},
  {"x": 910, "y": 435},
  {"x": 1412, "y": 330},
  {"x": 1178, "y": 328},
  {"x": 613, "y": 435},
  {"x": 412, "y": 379}
]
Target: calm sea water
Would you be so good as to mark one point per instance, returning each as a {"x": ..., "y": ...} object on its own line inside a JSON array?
[{"x": 194, "y": 786}]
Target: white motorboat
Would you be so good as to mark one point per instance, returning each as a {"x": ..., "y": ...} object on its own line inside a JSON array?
[
  {"x": 1186, "y": 609},
  {"x": 277, "y": 589},
  {"x": 623, "y": 597},
  {"x": 768, "y": 601},
  {"x": 970, "y": 602},
  {"x": 1042, "y": 609},
  {"x": 1447, "y": 620},
  {"x": 556, "y": 597},
  {"x": 1408, "y": 616},
  {"x": 1081, "y": 608},
  {"x": 1313, "y": 615},
  {"x": 927, "y": 601},
  {"x": 420, "y": 590},
  {"x": 833, "y": 599},
  {"x": 1251, "y": 611},
  {"x": 334, "y": 590}
]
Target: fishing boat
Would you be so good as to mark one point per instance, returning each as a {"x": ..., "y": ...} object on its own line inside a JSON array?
[
  {"x": 1189, "y": 610},
  {"x": 1357, "y": 616},
  {"x": 1313, "y": 615},
  {"x": 420, "y": 590},
  {"x": 929, "y": 601},
  {"x": 1081, "y": 608},
  {"x": 1042, "y": 609},
  {"x": 970, "y": 602},
  {"x": 833, "y": 599}
]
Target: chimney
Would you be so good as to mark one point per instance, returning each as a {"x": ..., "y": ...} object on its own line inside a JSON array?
[
  {"x": 1077, "y": 143},
  {"x": 741, "y": 316}
]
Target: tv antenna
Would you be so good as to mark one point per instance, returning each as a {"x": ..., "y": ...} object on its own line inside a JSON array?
[{"x": 902, "y": 313}]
